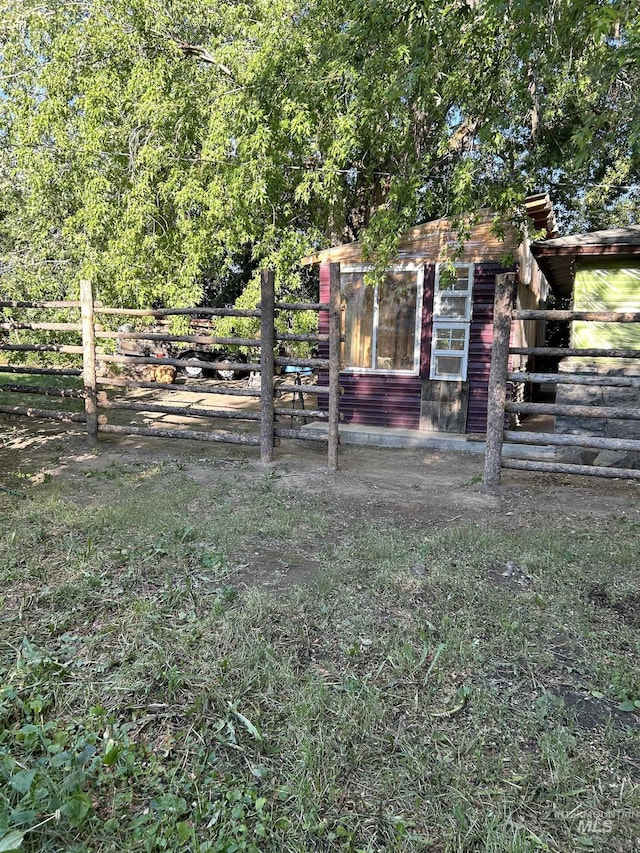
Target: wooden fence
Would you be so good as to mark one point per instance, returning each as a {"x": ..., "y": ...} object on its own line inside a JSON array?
[
  {"x": 88, "y": 330},
  {"x": 499, "y": 382}
]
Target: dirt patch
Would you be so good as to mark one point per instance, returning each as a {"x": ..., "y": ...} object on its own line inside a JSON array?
[
  {"x": 421, "y": 489},
  {"x": 566, "y": 651},
  {"x": 591, "y": 712},
  {"x": 627, "y": 607},
  {"x": 272, "y": 569}
]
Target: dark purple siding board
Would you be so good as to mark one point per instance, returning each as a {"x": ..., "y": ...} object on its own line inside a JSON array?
[
  {"x": 395, "y": 401},
  {"x": 375, "y": 399},
  {"x": 480, "y": 340},
  {"x": 369, "y": 399},
  {"x": 391, "y": 401},
  {"x": 427, "y": 320},
  {"x": 323, "y": 328},
  {"x": 323, "y": 317}
]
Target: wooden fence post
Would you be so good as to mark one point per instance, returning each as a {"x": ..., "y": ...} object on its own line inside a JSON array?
[
  {"x": 334, "y": 364},
  {"x": 502, "y": 307},
  {"x": 89, "y": 361},
  {"x": 267, "y": 362}
]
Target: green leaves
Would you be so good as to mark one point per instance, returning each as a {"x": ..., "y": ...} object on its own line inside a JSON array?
[
  {"x": 12, "y": 841},
  {"x": 77, "y": 808},
  {"x": 151, "y": 144},
  {"x": 629, "y": 705},
  {"x": 246, "y": 722}
]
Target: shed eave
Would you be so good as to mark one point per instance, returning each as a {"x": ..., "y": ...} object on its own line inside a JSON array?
[
  {"x": 541, "y": 250},
  {"x": 438, "y": 239},
  {"x": 557, "y": 257},
  {"x": 433, "y": 241}
]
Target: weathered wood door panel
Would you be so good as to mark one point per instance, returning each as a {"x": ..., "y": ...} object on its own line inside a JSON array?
[{"x": 444, "y": 406}]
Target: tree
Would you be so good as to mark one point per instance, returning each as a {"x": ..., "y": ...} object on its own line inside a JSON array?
[{"x": 159, "y": 147}]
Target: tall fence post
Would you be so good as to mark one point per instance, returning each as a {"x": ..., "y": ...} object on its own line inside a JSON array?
[
  {"x": 267, "y": 362},
  {"x": 89, "y": 361},
  {"x": 334, "y": 364},
  {"x": 502, "y": 308}
]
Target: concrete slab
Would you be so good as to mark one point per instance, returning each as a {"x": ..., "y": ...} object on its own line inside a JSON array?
[{"x": 395, "y": 437}]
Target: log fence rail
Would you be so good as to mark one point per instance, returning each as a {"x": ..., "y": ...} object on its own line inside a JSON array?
[
  {"x": 501, "y": 376},
  {"x": 97, "y": 403}
]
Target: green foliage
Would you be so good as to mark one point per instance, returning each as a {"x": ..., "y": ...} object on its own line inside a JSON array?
[
  {"x": 160, "y": 148},
  {"x": 71, "y": 779}
]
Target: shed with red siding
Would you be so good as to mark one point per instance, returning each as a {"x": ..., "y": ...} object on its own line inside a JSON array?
[{"x": 417, "y": 346}]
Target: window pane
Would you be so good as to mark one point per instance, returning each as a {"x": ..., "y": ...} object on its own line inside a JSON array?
[
  {"x": 457, "y": 279},
  {"x": 447, "y": 280},
  {"x": 397, "y": 321},
  {"x": 451, "y": 306},
  {"x": 357, "y": 320},
  {"x": 458, "y": 337},
  {"x": 443, "y": 339},
  {"x": 462, "y": 277},
  {"x": 449, "y": 365}
]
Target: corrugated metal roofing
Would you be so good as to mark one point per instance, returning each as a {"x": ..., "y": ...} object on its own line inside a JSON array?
[
  {"x": 609, "y": 237},
  {"x": 392, "y": 401}
]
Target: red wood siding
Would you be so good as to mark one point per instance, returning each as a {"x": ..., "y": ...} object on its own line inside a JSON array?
[
  {"x": 427, "y": 320},
  {"x": 389, "y": 401},
  {"x": 481, "y": 337},
  {"x": 394, "y": 401},
  {"x": 323, "y": 321},
  {"x": 376, "y": 399}
]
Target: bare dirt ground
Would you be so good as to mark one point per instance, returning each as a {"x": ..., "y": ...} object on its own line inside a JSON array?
[{"x": 425, "y": 489}]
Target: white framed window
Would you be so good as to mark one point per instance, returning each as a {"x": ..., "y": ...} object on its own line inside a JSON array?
[
  {"x": 452, "y": 309},
  {"x": 381, "y": 324},
  {"x": 449, "y": 351}
]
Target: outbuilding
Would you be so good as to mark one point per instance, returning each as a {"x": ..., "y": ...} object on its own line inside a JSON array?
[
  {"x": 600, "y": 272},
  {"x": 417, "y": 345}
]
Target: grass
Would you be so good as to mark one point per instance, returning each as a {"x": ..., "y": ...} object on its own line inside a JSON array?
[
  {"x": 473, "y": 689},
  {"x": 38, "y": 400}
]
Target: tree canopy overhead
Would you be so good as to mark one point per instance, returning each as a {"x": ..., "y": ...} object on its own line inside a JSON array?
[{"x": 160, "y": 147}]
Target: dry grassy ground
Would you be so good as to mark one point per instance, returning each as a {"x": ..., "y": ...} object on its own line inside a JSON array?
[{"x": 202, "y": 654}]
